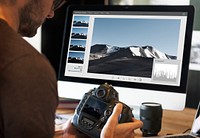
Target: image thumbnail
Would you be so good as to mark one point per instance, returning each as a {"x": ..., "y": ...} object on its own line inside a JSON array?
[
  {"x": 128, "y": 46},
  {"x": 79, "y": 33},
  {"x": 76, "y": 57},
  {"x": 77, "y": 45},
  {"x": 81, "y": 21},
  {"x": 165, "y": 72}
]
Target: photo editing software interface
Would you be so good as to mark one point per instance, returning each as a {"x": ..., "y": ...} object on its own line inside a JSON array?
[{"x": 127, "y": 46}]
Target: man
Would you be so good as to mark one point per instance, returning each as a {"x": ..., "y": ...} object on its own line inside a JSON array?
[{"x": 28, "y": 87}]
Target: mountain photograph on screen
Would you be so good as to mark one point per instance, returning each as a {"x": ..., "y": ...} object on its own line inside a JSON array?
[
  {"x": 131, "y": 61},
  {"x": 130, "y": 50}
]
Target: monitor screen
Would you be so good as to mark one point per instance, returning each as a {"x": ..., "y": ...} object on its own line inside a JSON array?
[{"x": 143, "y": 51}]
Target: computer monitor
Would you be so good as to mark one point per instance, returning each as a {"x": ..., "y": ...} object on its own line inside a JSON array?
[{"x": 143, "y": 51}]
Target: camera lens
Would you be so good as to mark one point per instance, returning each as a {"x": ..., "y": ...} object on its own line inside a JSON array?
[
  {"x": 100, "y": 93},
  {"x": 151, "y": 116}
]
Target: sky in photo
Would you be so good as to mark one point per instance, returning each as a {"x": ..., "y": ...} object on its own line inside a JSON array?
[
  {"x": 162, "y": 34},
  {"x": 81, "y": 18},
  {"x": 80, "y": 30},
  {"x": 78, "y": 42},
  {"x": 76, "y": 54}
]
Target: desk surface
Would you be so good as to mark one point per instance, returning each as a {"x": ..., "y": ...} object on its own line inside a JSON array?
[
  {"x": 173, "y": 122},
  {"x": 178, "y": 121}
]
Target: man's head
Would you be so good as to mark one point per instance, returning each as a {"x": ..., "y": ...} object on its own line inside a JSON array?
[
  {"x": 34, "y": 13},
  {"x": 30, "y": 13}
]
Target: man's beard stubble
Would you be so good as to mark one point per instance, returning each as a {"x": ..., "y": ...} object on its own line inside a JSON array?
[{"x": 28, "y": 20}]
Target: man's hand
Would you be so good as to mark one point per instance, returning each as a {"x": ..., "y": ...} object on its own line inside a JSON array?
[
  {"x": 72, "y": 132},
  {"x": 111, "y": 129},
  {"x": 124, "y": 130}
]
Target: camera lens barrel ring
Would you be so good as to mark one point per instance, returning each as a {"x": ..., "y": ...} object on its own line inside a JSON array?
[{"x": 100, "y": 93}]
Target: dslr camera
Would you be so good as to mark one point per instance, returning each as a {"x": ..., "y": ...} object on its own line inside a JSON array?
[{"x": 95, "y": 108}]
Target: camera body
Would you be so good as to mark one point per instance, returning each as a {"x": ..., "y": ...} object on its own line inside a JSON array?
[{"x": 95, "y": 108}]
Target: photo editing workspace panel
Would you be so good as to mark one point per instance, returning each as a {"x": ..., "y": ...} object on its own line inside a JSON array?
[{"x": 143, "y": 51}]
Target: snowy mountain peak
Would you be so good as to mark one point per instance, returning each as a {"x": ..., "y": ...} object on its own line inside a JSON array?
[{"x": 103, "y": 50}]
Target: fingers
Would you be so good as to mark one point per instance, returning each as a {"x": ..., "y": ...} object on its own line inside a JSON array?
[
  {"x": 68, "y": 124},
  {"x": 110, "y": 126},
  {"x": 72, "y": 132},
  {"x": 113, "y": 119},
  {"x": 131, "y": 125},
  {"x": 126, "y": 130},
  {"x": 137, "y": 123},
  {"x": 112, "y": 122}
]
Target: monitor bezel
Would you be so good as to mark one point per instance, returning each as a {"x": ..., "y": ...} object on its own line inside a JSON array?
[{"x": 142, "y": 8}]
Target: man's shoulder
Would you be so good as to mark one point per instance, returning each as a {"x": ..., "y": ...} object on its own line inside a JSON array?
[{"x": 13, "y": 48}]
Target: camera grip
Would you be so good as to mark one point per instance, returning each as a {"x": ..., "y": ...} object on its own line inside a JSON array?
[{"x": 126, "y": 114}]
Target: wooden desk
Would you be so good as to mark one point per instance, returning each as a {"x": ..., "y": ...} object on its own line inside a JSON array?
[{"x": 173, "y": 122}]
